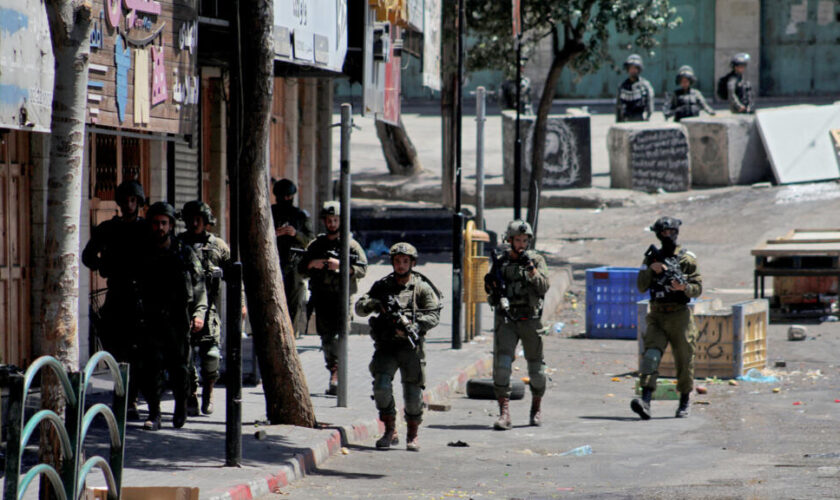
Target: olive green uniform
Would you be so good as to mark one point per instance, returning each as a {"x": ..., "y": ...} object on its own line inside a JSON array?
[
  {"x": 325, "y": 287},
  {"x": 286, "y": 214},
  {"x": 214, "y": 255},
  {"x": 419, "y": 302},
  {"x": 670, "y": 321},
  {"x": 173, "y": 294},
  {"x": 523, "y": 322}
]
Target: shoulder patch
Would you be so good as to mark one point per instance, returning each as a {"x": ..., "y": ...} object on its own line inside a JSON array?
[{"x": 690, "y": 254}]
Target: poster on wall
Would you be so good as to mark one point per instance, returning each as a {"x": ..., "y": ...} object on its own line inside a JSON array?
[
  {"x": 27, "y": 66},
  {"x": 431, "y": 44},
  {"x": 314, "y": 30}
]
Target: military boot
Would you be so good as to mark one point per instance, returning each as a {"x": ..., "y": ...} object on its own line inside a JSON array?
[
  {"x": 192, "y": 405},
  {"x": 412, "y": 443},
  {"x": 536, "y": 412},
  {"x": 642, "y": 406},
  {"x": 152, "y": 422},
  {"x": 179, "y": 418},
  {"x": 207, "y": 398},
  {"x": 132, "y": 413},
  {"x": 389, "y": 437},
  {"x": 682, "y": 410},
  {"x": 503, "y": 423},
  {"x": 332, "y": 390}
]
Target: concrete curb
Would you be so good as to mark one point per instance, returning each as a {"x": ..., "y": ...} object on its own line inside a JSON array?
[{"x": 308, "y": 460}]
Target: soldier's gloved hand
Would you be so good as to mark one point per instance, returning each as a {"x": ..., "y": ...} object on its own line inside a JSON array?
[
  {"x": 490, "y": 283},
  {"x": 197, "y": 324}
]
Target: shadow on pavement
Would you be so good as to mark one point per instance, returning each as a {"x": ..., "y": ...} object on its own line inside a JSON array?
[{"x": 618, "y": 419}]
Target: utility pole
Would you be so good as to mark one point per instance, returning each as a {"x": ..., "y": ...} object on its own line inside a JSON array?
[
  {"x": 517, "y": 148},
  {"x": 344, "y": 257},
  {"x": 233, "y": 336},
  {"x": 458, "y": 217},
  {"x": 480, "y": 99}
]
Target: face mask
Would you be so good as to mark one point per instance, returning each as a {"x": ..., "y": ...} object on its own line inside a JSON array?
[{"x": 668, "y": 243}]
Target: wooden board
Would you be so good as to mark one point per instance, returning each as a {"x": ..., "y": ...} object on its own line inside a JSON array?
[{"x": 797, "y": 249}]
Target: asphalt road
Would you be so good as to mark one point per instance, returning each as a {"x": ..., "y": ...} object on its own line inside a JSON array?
[{"x": 742, "y": 442}]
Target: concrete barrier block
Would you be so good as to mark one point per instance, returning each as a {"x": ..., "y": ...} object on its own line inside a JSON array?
[
  {"x": 568, "y": 149},
  {"x": 649, "y": 156},
  {"x": 726, "y": 151}
]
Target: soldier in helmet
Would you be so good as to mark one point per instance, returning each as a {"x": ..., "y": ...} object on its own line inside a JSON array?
[
  {"x": 293, "y": 231},
  {"x": 635, "y": 94},
  {"x": 734, "y": 86},
  {"x": 320, "y": 263},
  {"x": 516, "y": 285},
  {"x": 175, "y": 305},
  {"x": 686, "y": 101},
  {"x": 214, "y": 255},
  {"x": 407, "y": 306},
  {"x": 114, "y": 249},
  {"x": 670, "y": 274}
]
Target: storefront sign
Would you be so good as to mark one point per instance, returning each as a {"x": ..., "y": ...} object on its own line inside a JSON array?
[{"x": 315, "y": 30}]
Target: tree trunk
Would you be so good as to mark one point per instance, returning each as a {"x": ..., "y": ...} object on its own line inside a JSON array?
[
  {"x": 400, "y": 153},
  {"x": 70, "y": 29},
  {"x": 287, "y": 398},
  {"x": 561, "y": 58},
  {"x": 448, "y": 79}
]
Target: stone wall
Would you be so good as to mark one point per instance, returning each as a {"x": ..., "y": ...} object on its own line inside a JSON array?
[
  {"x": 726, "y": 151},
  {"x": 649, "y": 156}
]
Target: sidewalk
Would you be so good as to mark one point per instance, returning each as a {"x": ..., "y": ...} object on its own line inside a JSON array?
[{"x": 194, "y": 455}]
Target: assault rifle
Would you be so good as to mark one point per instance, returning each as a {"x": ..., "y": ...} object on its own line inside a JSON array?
[
  {"x": 673, "y": 271},
  {"x": 495, "y": 283},
  {"x": 393, "y": 313}
]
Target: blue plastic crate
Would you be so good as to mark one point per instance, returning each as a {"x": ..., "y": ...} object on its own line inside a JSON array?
[{"x": 611, "y": 298}]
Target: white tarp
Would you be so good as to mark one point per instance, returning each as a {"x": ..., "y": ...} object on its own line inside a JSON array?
[
  {"x": 316, "y": 29},
  {"x": 798, "y": 141},
  {"x": 431, "y": 44},
  {"x": 27, "y": 66}
]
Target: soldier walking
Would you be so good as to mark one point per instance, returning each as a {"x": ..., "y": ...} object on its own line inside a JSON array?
[
  {"x": 293, "y": 231},
  {"x": 214, "y": 255},
  {"x": 174, "y": 304},
  {"x": 320, "y": 263},
  {"x": 686, "y": 101},
  {"x": 670, "y": 274},
  {"x": 114, "y": 250},
  {"x": 408, "y": 306},
  {"x": 517, "y": 284},
  {"x": 635, "y": 94}
]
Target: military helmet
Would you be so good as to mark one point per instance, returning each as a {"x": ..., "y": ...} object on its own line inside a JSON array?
[
  {"x": 634, "y": 60},
  {"x": 198, "y": 207},
  {"x": 330, "y": 208},
  {"x": 686, "y": 72},
  {"x": 740, "y": 59},
  {"x": 404, "y": 249},
  {"x": 130, "y": 188},
  {"x": 664, "y": 223},
  {"x": 161, "y": 208},
  {"x": 517, "y": 227},
  {"x": 284, "y": 187}
]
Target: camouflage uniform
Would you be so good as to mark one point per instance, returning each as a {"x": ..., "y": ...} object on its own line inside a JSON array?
[
  {"x": 288, "y": 214},
  {"x": 685, "y": 104}
]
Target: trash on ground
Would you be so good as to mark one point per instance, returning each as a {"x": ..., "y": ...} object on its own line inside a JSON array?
[
  {"x": 829, "y": 319},
  {"x": 701, "y": 389},
  {"x": 733, "y": 383},
  {"x": 377, "y": 248},
  {"x": 610, "y": 395},
  {"x": 558, "y": 327},
  {"x": 458, "y": 444},
  {"x": 797, "y": 332},
  {"x": 781, "y": 363},
  {"x": 439, "y": 407},
  {"x": 345, "y": 451},
  {"x": 777, "y": 390},
  {"x": 702, "y": 403},
  {"x": 797, "y": 403},
  {"x": 616, "y": 379},
  {"x": 580, "y": 451},
  {"x": 755, "y": 375},
  {"x": 822, "y": 455},
  {"x": 526, "y": 380}
]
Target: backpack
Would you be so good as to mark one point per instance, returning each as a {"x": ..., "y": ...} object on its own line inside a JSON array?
[{"x": 722, "y": 90}]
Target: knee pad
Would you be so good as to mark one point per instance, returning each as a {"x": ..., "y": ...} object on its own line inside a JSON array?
[
  {"x": 214, "y": 353},
  {"x": 504, "y": 361},
  {"x": 382, "y": 383},
  {"x": 650, "y": 360},
  {"x": 413, "y": 401}
]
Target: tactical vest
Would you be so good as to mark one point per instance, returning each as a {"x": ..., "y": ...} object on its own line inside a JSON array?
[
  {"x": 634, "y": 98},
  {"x": 660, "y": 290}
]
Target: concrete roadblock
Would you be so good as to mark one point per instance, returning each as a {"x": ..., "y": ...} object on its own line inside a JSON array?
[
  {"x": 649, "y": 157},
  {"x": 726, "y": 151}
]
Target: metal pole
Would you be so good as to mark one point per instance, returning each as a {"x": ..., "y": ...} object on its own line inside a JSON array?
[
  {"x": 458, "y": 217},
  {"x": 233, "y": 334},
  {"x": 517, "y": 147},
  {"x": 480, "y": 98},
  {"x": 344, "y": 310}
]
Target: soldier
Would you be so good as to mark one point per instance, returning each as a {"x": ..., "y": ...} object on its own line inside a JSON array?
[
  {"x": 735, "y": 87},
  {"x": 671, "y": 275},
  {"x": 174, "y": 304},
  {"x": 214, "y": 255},
  {"x": 635, "y": 94},
  {"x": 114, "y": 250},
  {"x": 320, "y": 263},
  {"x": 686, "y": 101},
  {"x": 408, "y": 306},
  {"x": 517, "y": 283},
  {"x": 291, "y": 226}
]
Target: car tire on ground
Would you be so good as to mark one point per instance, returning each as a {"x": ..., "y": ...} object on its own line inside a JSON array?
[{"x": 482, "y": 388}]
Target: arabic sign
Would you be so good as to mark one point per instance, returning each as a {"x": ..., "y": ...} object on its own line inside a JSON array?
[
  {"x": 27, "y": 66},
  {"x": 142, "y": 72},
  {"x": 314, "y": 30}
]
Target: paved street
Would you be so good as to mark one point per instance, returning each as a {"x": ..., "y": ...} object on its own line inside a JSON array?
[{"x": 741, "y": 442}]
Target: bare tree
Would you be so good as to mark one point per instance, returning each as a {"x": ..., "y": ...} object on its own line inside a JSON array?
[{"x": 287, "y": 397}]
